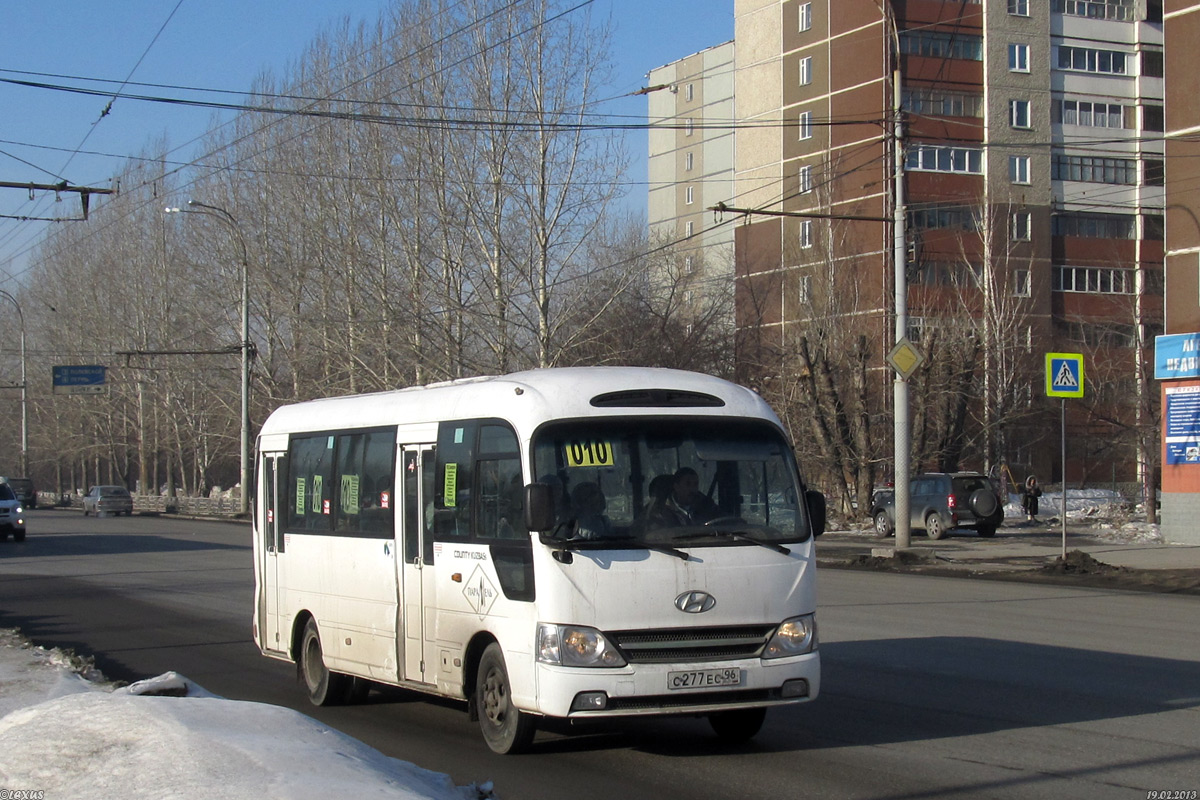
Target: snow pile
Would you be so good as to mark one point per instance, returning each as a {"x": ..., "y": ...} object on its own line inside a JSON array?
[
  {"x": 67, "y": 733},
  {"x": 1109, "y": 514}
]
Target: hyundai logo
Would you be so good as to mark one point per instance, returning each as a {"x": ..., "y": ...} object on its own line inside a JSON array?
[{"x": 695, "y": 602}]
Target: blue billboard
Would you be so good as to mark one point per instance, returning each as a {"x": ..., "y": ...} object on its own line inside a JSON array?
[{"x": 1177, "y": 355}]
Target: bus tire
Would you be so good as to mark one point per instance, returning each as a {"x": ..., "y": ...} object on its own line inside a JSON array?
[
  {"x": 738, "y": 725},
  {"x": 506, "y": 729},
  {"x": 325, "y": 688}
]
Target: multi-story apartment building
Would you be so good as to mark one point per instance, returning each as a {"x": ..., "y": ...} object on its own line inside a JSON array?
[
  {"x": 690, "y": 164},
  {"x": 1032, "y": 172},
  {"x": 1177, "y": 362}
]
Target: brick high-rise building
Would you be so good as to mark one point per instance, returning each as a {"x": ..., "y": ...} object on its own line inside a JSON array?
[
  {"x": 1033, "y": 171},
  {"x": 1178, "y": 359}
]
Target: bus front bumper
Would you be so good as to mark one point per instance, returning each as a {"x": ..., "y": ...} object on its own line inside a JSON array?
[{"x": 656, "y": 689}]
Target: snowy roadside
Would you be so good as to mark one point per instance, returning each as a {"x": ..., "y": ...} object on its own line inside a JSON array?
[
  {"x": 1106, "y": 512},
  {"x": 65, "y": 732}
]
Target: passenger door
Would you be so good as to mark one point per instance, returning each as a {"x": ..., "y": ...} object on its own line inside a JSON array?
[
  {"x": 272, "y": 545},
  {"x": 418, "y": 588}
]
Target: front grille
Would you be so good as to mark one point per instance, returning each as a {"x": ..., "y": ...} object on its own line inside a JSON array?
[
  {"x": 691, "y": 644},
  {"x": 692, "y": 700}
]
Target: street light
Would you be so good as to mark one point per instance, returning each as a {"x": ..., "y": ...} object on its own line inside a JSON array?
[
  {"x": 24, "y": 391},
  {"x": 219, "y": 213}
]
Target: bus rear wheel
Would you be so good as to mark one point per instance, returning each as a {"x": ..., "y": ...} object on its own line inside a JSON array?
[
  {"x": 325, "y": 688},
  {"x": 506, "y": 729},
  {"x": 739, "y": 725}
]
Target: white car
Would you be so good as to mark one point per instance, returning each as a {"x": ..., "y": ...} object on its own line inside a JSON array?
[
  {"x": 12, "y": 515},
  {"x": 108, "y": 499}
]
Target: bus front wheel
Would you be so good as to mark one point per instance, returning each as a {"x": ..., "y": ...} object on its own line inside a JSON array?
[
  {"x": 325, "y": 688},
  {"x": 506, "y": 729}
]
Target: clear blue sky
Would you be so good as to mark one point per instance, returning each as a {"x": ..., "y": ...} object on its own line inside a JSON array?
[{"x": 221, "y": 44}]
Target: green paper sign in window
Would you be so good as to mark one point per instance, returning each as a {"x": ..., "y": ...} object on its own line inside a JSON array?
[
  {"x": 316, "y": 493},
  {"x": 450, "y": 486},
  {"x": 350, "y": 494}
]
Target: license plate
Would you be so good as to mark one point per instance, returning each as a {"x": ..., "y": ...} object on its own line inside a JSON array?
[{"x": 704, "y": 678}]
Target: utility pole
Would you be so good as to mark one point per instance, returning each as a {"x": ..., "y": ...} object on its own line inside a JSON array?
[{"x": 901, "y": 431}]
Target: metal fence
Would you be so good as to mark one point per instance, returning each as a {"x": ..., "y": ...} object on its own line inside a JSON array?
[{"x": 158, "y": 504}]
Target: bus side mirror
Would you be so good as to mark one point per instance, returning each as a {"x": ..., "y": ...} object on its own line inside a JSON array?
[
  {"x": 539, "y": 507},
  {"x": 816, "y": 510}
]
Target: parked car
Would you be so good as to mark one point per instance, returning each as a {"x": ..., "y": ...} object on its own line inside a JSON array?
[
  {"x": 940, "y": 501},
  {"x": 109, "y": 499},
  {"x": 12, "y": 515},
  {"x": 23, "y": 488}
]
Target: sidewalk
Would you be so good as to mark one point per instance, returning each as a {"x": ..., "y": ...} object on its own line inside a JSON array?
[{"x": 1015, "y": 547}]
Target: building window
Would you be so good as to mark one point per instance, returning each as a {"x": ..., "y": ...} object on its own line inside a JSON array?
[
  {"x": 1022, "y": 225},
  {"x": 938, "y": 103},
  {"x": 1121, "y": 10},
  {"x": 1154, "y": 10},
  {"x": 943, "y": 158},
  {"x": 688, "y": 266},
  {"x": 1093, "y": 280},
  {"x": 805, "y": 183},
  {"x": 1018, "y": 169},
  {"x": 941, "y": 45},
  {"x": 1094, "y": 169},
  {"x": 1090, "y": 114},
  {"x": 1154, "y": 172},
  {"x": 805, "y": 124},
  {"x": 806, "y": 240},
  {"x": 1086, "y": 59},
  {"x": 806, "y": 71},
  {"x": 1018, "y": 8},
  {"x": 689, "y": 126},
  {"x": 804, "y": 289},
  {"x": 1153, "y": 119},
  {"x": 964, "y": 218},
  {"x": 1018, "y": 58},
  {"x": 948, "y": 273},
  {"x": 1153, "y": 227},
  {"x": 689, "y": 92},
  {"x": 1020, "y": 283},
  {"x": 805, "y": 14},
  {"x": 689, "y": 229},
  {"x": 1018, "y": 113},
  {"x": 1094, "y": 226},
  {"x": 1152, "y": 63},
  {"x": 688, "y": 159},
  {"x": 687, "y": 195}
]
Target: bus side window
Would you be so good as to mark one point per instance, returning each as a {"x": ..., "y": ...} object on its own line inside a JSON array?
[
  {"x": 452, "y": 481},
  {"x": 501, "y": 500}
]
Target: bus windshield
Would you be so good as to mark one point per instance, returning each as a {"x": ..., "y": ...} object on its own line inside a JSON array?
[{"x": 670, "y": 481}]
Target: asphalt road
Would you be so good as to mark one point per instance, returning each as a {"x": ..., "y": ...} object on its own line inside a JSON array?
[{"x": 932, "y": 687}]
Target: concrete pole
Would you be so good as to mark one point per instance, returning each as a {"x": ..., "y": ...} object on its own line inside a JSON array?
[{"x": 900, "y": 385}]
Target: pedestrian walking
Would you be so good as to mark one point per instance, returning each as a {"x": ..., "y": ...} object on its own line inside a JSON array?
[{"x": 1029, "y": 498}]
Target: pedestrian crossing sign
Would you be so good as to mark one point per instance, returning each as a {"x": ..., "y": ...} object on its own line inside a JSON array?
[{"x": 1064, "y": 375}]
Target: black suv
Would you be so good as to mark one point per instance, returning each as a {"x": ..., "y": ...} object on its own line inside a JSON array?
[
  {"x": 23, "y": 489},
  {"x": 940, "y": 501}
]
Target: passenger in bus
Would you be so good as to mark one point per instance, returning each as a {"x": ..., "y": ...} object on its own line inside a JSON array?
[
  {"x": 588, "y": 505},
  {"x": 659, "y": 511},
  {"x": 686, "y": 498}
]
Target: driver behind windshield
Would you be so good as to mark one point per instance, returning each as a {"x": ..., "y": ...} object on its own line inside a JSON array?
[{"x": 687, "y": 501}]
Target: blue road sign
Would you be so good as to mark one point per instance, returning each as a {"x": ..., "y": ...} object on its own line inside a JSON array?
[
  {"x": 80, "y": 379},
  {"x": 1064, "y": 374}
]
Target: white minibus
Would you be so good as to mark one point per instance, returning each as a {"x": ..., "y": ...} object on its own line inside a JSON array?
[{"x": 564, "y": 543}]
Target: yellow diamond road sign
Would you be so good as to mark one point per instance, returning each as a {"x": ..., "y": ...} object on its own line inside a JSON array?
[{"x": 905, "y": 358}]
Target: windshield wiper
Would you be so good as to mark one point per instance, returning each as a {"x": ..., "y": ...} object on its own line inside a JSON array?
[{"x": 740, "y": 536}]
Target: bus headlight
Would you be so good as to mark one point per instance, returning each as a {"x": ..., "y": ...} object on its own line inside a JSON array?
[
  {"x": 793, "y": 637},
  {"x": 575, "y": 646}
]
